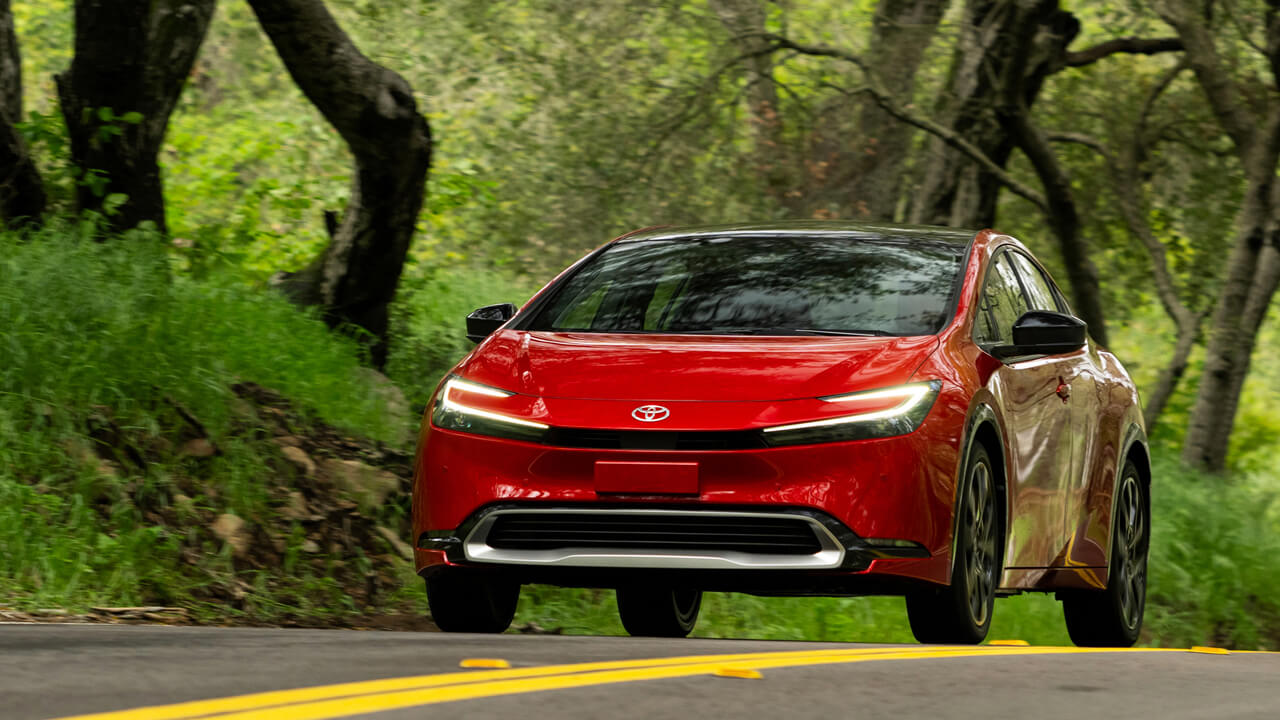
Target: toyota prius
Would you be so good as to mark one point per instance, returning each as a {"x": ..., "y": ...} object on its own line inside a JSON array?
[{"x": 791, "y": 409}]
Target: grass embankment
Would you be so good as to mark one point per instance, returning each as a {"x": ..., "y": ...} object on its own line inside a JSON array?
[
  {"x": 105, "y": 358},
  {"x": 103, "y": 348}
]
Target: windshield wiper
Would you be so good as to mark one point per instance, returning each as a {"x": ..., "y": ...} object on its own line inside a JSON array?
[{"x": 851, "y": 333}]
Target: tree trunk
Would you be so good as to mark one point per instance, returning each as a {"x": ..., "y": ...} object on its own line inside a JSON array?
[
  {"x": 1170, "y": 375},
  {"x": 901, "y": 33},
  {"x": 1038, "y": 35},
  {"x": 1253, "y": 271},
  {"x": 22, "y": 197},
  {"x": 373, "y": 109},
  {"x": 1253, "y": 267},
  {"x": 1126, "y": 187},
  {"x": 745, "y": 22},
  {"x": 131, "y": 62},
  {"x": 953, "y": 190}
]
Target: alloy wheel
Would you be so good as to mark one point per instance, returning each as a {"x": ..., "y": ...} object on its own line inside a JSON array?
[
  {"x": 980, "y": 573},
  {"x": 1132, "y": 557}
]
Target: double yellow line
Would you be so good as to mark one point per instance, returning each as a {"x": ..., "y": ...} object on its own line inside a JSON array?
[{"x": 334, "y": 701}]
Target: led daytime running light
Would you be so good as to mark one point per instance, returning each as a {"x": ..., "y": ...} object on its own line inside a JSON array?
[
  {"x": 456, "y": 383},
  {"x": 912, "y": 395},
  {"x": 454, "y": 406}
]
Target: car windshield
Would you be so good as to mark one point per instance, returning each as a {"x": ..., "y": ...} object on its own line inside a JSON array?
[{"x": 780, "y": 285}]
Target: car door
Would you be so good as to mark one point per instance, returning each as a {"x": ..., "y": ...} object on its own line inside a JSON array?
[
  {"x": 1080, "y": 379},
  {"x": 1037, "y": 418}
]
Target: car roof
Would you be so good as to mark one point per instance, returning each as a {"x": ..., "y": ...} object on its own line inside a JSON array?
[{"x": 810, "y": 228}]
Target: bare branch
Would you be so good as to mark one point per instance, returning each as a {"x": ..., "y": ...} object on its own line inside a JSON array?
[
  {"x": 890, "y": 106},
  {"x": 1156, "y": 91},
  {"x": 955, "y": 141},
  {"x": 780, "y": 42},
  {"x": 1080, "y": 139},
  {"x": 1129, "y": 45}
]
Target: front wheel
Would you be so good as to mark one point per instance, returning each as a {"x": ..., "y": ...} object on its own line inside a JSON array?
[
  {"x": 961, "y": 612},
  {"x": 658, "y": 612},
  {"x": 471, "y": 603},
  {"x": 1113, "y": 617}
]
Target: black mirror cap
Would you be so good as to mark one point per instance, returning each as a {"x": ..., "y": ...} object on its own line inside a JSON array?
[
  {"x": 1042, "y": 332},
  {"x": 481, "y": 323}
]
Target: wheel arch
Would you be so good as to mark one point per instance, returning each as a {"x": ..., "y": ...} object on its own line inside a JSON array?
[
  {"x": 1134, "y": 448},
  {"x": 983, "y": 426}
]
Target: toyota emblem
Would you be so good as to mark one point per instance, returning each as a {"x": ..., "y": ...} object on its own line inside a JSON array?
[{"x": 650, "y": 413}]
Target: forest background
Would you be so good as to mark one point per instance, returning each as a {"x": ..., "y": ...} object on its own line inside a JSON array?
[{"x": 161, "y": 353}]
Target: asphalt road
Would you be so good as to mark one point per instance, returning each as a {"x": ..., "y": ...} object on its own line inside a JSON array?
[{"x": 55, "y": 671}]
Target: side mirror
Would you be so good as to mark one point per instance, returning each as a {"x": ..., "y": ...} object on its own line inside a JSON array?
[
  {"x": 482, "y": 322},
  {"x": 1040, "y": 332}
]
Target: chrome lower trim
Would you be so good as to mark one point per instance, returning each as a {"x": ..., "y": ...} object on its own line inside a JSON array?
[{"x": 476, "y": 548}]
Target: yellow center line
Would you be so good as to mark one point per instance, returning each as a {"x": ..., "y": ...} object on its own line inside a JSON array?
[
  {"x": 333, "y": 701},
  {"x": 359, "y": 705},
  {"x": 219, "y": 706}
]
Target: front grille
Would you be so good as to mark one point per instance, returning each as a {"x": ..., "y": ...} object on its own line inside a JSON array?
[
  {"x": 654, "y": 439},
  {"x": 665, "y": 533}
]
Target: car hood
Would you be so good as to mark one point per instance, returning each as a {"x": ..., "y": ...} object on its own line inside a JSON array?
[{"x": 647, "y": 368}]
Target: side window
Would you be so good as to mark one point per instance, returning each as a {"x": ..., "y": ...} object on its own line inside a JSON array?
[
  {"x": 1038, "y": 290},
  {"x": 1001, "y": 305}
]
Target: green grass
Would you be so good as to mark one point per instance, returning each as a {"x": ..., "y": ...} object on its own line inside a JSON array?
[{"x": 102, "y": 339}]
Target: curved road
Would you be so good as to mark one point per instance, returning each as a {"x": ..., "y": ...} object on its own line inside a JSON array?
[{"x": 178, "y": 673}]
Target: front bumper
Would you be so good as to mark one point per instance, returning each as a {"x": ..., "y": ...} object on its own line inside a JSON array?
[
  {"x": 660, "y": 537},
  {"x": 899, "y": 489}
]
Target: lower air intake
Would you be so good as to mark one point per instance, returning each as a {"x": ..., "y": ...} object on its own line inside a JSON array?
[{"x": 603, "y": 531}]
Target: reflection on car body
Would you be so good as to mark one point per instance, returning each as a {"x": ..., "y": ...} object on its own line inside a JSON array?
[{"x": 792, "y": 409}]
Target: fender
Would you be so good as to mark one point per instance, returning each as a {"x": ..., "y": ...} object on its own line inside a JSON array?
[
  {"x": 1134, "y": 435},
  {"x": 981, "y": 413}
]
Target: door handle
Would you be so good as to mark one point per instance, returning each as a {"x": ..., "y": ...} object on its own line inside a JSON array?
[{"x": 1063, "y": 391}]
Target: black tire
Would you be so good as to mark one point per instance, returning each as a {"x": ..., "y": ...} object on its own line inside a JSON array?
[
  {"x": 657, "y": 612},
  {"x": 1113, "y": 617},
  {"x": 960, "y": 613},
  {"x": 470, "y": 603}
]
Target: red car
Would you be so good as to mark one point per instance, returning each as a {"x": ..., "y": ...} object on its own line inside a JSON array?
[{"x": 789, "y": 409}]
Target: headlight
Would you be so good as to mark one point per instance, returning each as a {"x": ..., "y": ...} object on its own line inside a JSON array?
[
  {"x": 452, "y": 412},
  {"x": 915, "y": 401}
]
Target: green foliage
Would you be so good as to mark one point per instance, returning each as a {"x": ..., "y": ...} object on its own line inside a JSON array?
[
  {"x": 430, "y": 322},
  {"x": 103, "y": 335},
  {"x": 1215, "y": 560}
]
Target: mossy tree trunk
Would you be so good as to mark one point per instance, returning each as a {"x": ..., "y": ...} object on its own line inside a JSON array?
[
  {"x": 373, "y": 109},
  {"x": 22, "y": 197},
  {"x": 131, "y": 62}
]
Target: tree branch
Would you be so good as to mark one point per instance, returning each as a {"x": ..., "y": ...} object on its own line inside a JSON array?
[
  {"x": 171, "y": 52},
  {"x": 890, "y": 106},
  {"x": 1129, "y": 45},
  {"x": 1221, "y": 92},
  {"x": 1088, "y": 141},
  {"x": 1060, "y": 207},
  {"x": 955, "y": 141}
]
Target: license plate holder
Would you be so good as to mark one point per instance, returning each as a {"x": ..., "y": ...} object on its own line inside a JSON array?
[{"x": 646, "y": 478}]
